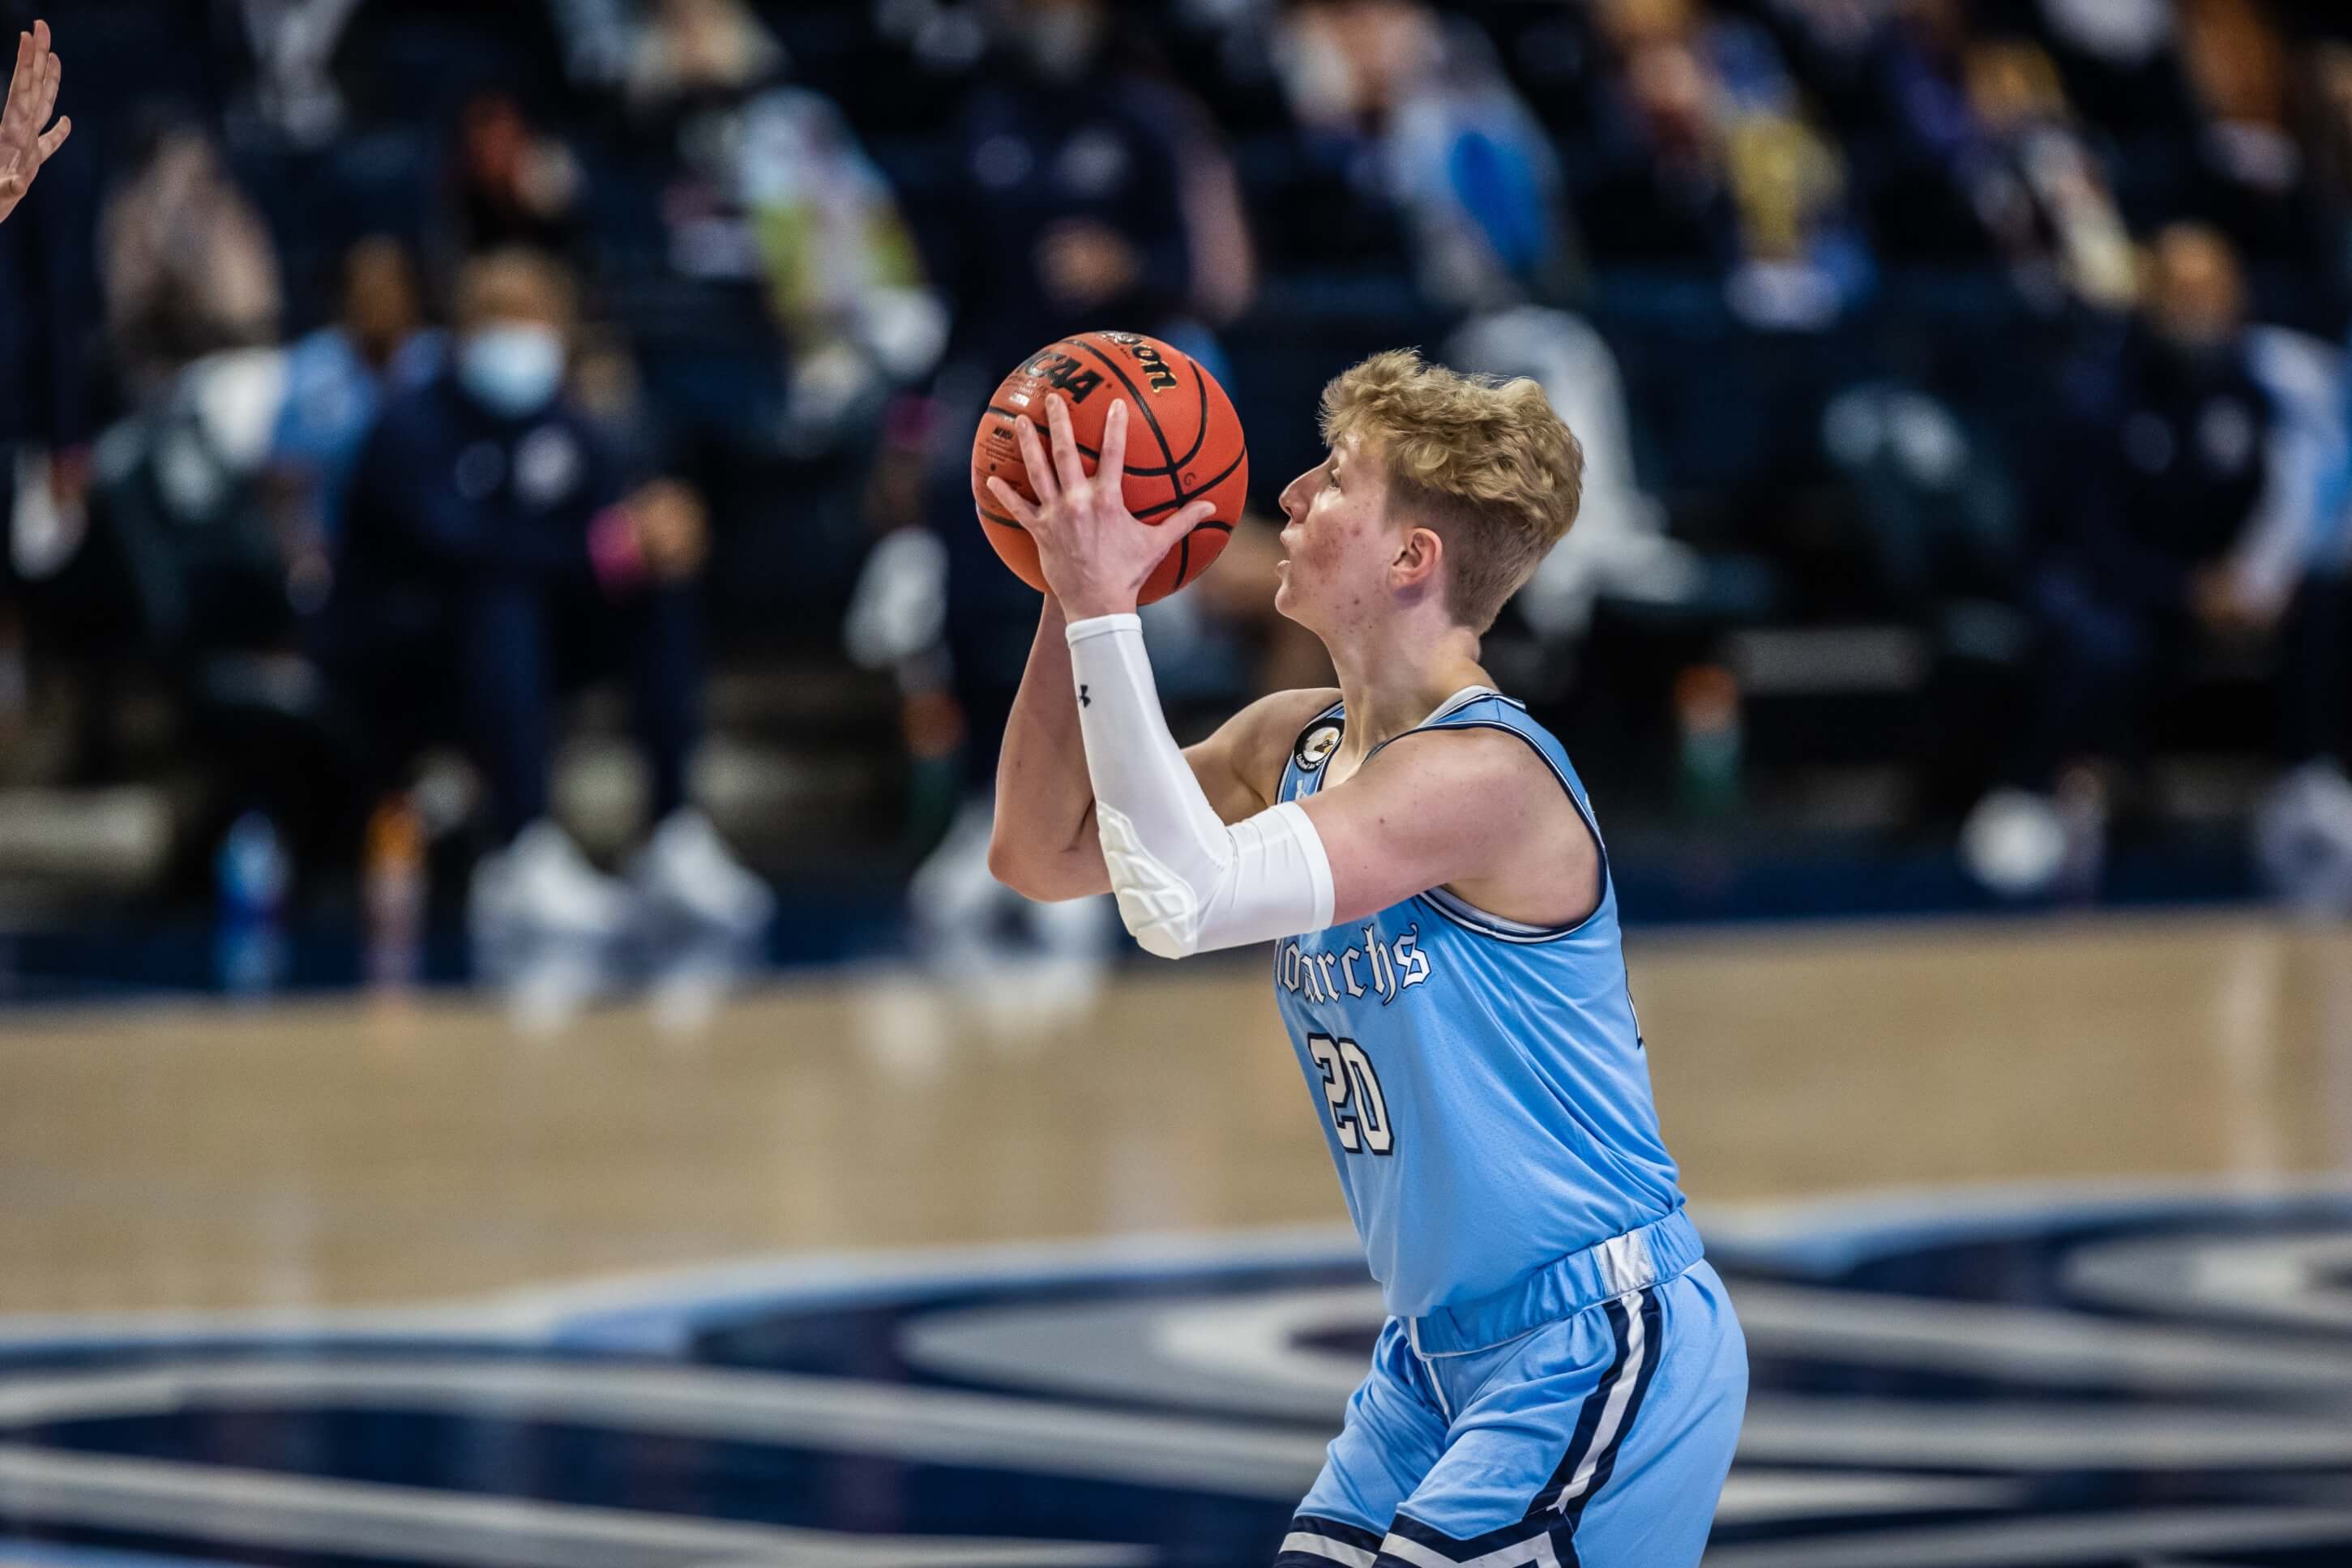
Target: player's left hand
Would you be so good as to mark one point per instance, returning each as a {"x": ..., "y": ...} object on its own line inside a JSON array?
[
  {"x": 1095, "y": 556},
  {"x": 32, "y": 96}
]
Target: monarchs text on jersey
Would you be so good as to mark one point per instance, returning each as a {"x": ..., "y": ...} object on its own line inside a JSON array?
[{"x": 1483, "y": 1083}]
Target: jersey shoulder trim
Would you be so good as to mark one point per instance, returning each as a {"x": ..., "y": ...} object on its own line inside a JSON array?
[
  {"x": 1469, "y": 916},
  {"x": 1310, "y": 749}
]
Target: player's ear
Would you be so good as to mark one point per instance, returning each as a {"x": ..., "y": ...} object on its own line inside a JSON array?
[{"x": 1417, "y": 558}]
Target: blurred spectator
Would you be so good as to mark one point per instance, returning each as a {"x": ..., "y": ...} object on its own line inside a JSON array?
[
  {"x": 1989, "y": 120},
  {"x": 293, "y": 44},
  {"x": 2332, "y": 148},
  {"x": 2162, "y": 465},
  {"x": 186, "y": 258},
  {"x": 1661, "y": 195},
  {"x": 2039, "y": 186},
  {"x": 1071, "y": 214},
  {"x": 1714, "y": 161},
  {"x": 336, "y": 381},
  {"x": 2122, "y": 63},
  {"x": 491, "y": 551},
  {"x": 2254, "y": 178},
  {"x": 596, "y": 35},
  {"x": 514, "y": 183},
  {"x": 1411, "y": 110},
  {"x": 770, "y": 184}
]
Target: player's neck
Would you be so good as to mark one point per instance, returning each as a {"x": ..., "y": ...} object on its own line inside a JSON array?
[{"x": 1393, "y": 681}]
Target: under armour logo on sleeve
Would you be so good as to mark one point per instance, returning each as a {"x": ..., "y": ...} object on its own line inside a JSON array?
[{"x": 1084, "y": 700}]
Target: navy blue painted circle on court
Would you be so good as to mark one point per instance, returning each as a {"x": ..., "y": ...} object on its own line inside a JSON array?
[{"x": 2067, "y": 1379}]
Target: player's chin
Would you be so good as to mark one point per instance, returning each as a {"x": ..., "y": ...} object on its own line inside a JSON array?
[{"x": 1286, "y": 598}]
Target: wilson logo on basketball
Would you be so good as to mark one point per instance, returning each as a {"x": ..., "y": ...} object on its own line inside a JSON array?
[{"x": 1156, "y": 372}]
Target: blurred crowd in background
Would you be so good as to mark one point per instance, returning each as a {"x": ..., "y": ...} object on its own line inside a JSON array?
[{"x": 441, "y": 434}]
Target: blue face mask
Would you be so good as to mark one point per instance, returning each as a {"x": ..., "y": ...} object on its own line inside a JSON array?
[{"x": 514, "y": 368}]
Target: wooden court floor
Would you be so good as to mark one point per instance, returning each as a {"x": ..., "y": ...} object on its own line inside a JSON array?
[{"x": 213, "y": 1155}]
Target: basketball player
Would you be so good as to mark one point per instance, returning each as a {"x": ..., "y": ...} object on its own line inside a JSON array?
[
  {"x": 1562, "y": 1379},
  {"x": 32, "y": 95}
]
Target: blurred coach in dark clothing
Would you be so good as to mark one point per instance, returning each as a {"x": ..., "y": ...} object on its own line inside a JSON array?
[
  {"x": 491, "y": 557},
  {"x": 2163, "y": 456}
]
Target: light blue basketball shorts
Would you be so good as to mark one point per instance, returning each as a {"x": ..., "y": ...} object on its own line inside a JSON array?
[{"x": 1597, "y": 1440}]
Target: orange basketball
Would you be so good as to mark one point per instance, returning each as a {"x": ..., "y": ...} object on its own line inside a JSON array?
[{"x": 1183, "y": 443}]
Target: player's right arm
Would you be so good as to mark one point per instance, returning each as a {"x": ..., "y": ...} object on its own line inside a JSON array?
[{"x": 1046, "y": 844}]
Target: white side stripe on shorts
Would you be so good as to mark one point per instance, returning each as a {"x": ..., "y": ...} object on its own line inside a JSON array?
[
  {"x": 1534, "y": 1553},
  {"x": 1612, "y": 1415},
  {"x": 1324, "y": 1546}
]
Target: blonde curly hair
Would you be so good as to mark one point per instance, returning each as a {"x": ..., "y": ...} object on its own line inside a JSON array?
[{"x": 1482, "y": 461}]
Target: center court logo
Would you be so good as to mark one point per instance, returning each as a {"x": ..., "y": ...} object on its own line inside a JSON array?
[{"x": 2040, "y": 1378}]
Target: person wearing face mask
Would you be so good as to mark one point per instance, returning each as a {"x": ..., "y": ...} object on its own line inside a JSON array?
[{"x": 490, "y": 554}]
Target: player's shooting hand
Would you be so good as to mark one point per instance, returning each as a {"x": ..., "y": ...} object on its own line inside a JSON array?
[
  {"x": 32, "y": 96},
  {"x": 1095, "y": 556}
]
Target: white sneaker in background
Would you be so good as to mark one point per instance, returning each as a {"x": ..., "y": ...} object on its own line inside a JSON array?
[
  {"x": 685, "y": 870},
  {"x": 2303, "y": 840},
  {"x": 541, "y": 884},
  {"x": 952, "y": 897},
  {"x": 2014, "y": 842},
  {"x": 1018, "y": 985}
]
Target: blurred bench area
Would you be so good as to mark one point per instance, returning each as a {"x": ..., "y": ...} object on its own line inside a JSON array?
[{"x": 1970, "y": 505}]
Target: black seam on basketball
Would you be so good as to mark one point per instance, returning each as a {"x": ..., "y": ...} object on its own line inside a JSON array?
[
  {"x": 1214, "y": 480},
  {"x": 1143, "y": 408},
  {"x": 1201, "y": 427},
  {"x": 1183, "y": 559},
  {"x": 1183, "y": 495},
  {"x": 1002, "y": 521},
  {"x": 1211, "y": 523},
  {"x": 1082, "y": 446}
]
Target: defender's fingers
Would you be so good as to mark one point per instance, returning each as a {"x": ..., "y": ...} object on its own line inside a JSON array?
[
  {"x": 1066, "y": 443},
  {"x": 56, "y": 137},
  {"x": 50, "y": 80},
  {"x": 1111, "y": 467},
  {"x": 1032, "y": 457},
  {"x": 1016, "y": 506}
]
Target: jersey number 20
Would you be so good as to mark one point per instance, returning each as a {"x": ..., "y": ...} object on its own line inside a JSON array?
[{"x": 1359, "y": 1115}]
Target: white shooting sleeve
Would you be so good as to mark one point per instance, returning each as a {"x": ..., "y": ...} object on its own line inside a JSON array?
[{"x": 1186, "y": 881}]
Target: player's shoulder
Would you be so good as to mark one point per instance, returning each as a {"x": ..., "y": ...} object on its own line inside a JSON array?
[
  {"x": 1276, "y": 723},
  {"x": 1260, "y": 738},
  {"x": 1492, "y": 760}
]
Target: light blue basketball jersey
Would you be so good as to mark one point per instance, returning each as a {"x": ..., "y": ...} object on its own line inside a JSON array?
[{"x": 1482, "y": 1082}]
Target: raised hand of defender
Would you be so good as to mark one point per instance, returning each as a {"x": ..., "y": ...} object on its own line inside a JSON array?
[
  {"x": 32, "y": 96},
  {"x": 1095, "y": 556}
]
